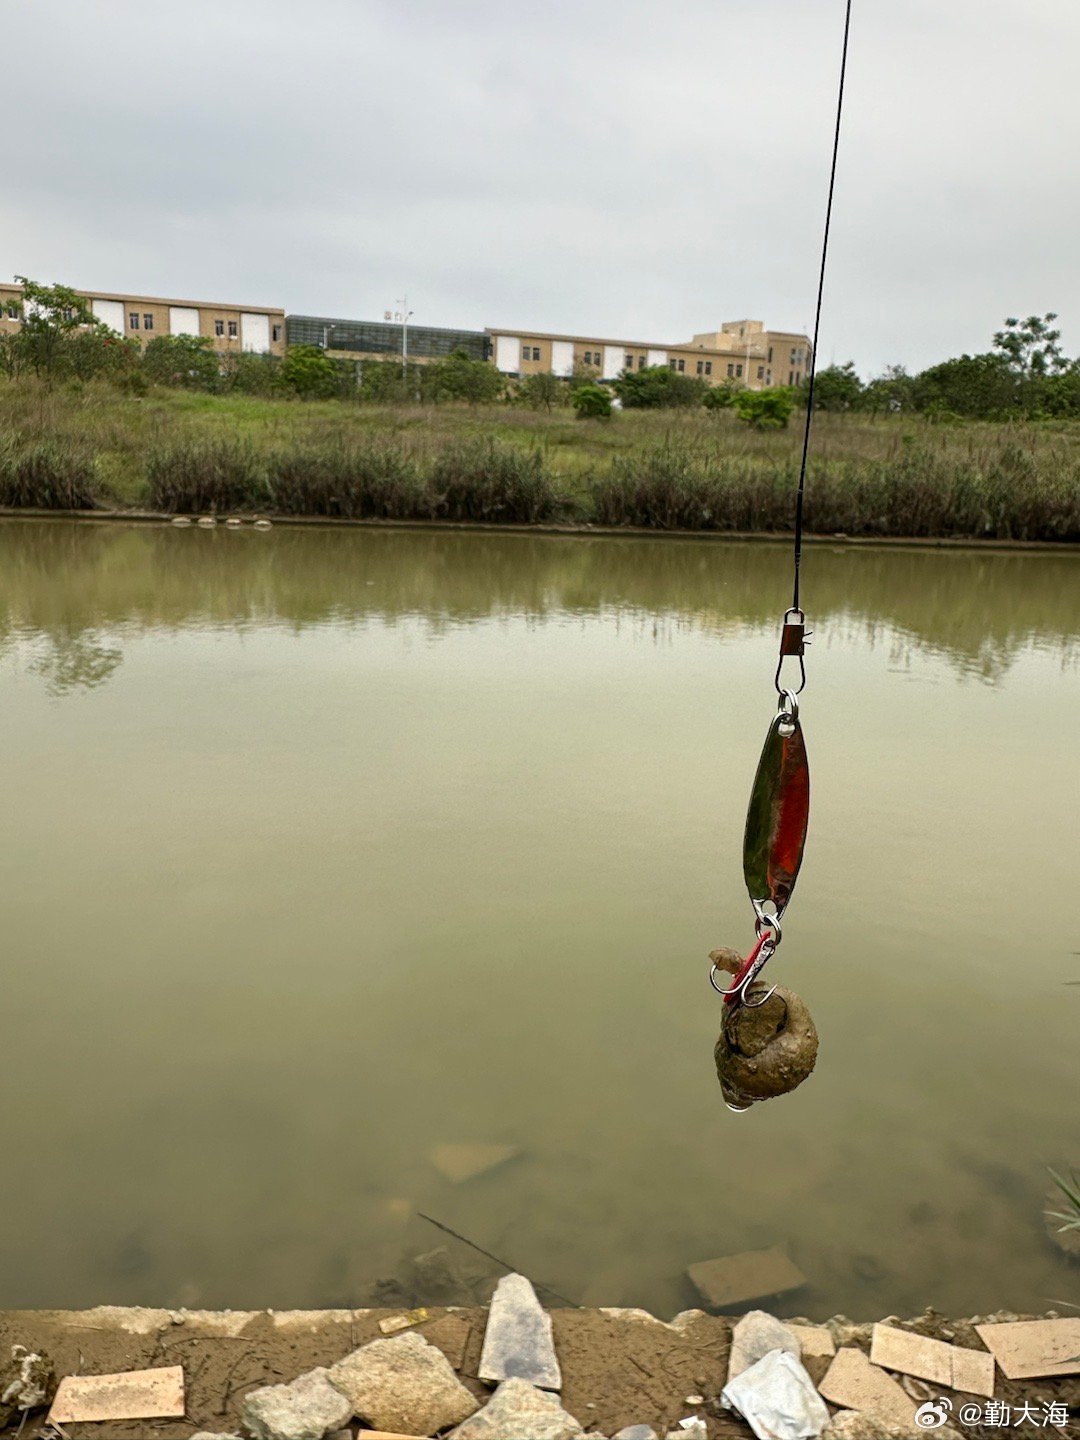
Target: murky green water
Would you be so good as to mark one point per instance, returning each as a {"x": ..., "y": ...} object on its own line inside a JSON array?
[{"x": 323, "y": 848}]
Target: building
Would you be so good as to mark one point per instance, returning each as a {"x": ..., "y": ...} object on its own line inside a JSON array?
[
  {"x": 383, "y": 339},
  {"x": 231, "y": 328},
  {"x": 741, "y": 351}
]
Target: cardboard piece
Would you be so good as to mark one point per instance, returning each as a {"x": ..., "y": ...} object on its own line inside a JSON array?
[
  {"x": 971, "y": 1371},
  {"x": 814, "y": 1340},
  {"x": 735, "y": 1279},
  {"x": 133, "y": 1395},
  {"x": 1028, "y": 1349},
  {"x": 854, "y": 1384},
  {"x": 464, "y": 1162}
]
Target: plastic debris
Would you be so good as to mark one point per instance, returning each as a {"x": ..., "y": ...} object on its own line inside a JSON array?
[
  {"x": 391, "y": 1324},
  {"x": 777, "y": 1399}
]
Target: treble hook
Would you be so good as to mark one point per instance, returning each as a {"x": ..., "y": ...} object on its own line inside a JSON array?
[{"x": 768, "y": 928}]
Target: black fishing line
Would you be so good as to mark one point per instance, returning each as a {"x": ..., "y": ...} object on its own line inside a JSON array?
[{"x": 817, "y": 313}]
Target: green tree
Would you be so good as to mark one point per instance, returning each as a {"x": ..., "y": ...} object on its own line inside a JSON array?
[
  {"x": 460, "y": 377},
  {"x": 185, "y": 360},
  {"x": 893, "y": 390},
  {"x": 720, "y": 397},
  {"x": 543, "y": 391},
  {"x": 591, "y": 402},
  {"x": 309, "y": 372},
  {"x": 765, "y": 409},
  {"x": 1030, "y": 346},
  {"x": 837, "y": 387},
  {"x": 51, "y": 315},
  {"x": 251, "y": 372},
  {"x": 981, "y": 387},
  {"x": 659, "y": 387}
]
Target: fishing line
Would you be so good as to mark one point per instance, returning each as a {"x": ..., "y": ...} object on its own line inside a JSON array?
[{"x": 817, "y": 313}]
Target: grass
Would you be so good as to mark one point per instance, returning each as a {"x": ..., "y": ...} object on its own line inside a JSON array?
[
  {"x": 1070, "y": 1189},
  {"x": 178, "y": 451}
]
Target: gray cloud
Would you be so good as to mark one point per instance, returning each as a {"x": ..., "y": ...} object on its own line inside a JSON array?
[{"x": 623, "y": 168}]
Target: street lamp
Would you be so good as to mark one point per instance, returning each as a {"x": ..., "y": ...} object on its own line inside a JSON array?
[{"x": 403, "y": 316}]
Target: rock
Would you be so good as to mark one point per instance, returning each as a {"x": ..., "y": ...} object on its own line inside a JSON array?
[
  {"x": 207, "y": 522},
  {"x": 848, "y": 1332},
  {"x": 223, "y": 1435},
  {"x": 180, "y": 520},
  {"x": 520, "y": 1411},
  {"x": 26, "y": 1383},
  {"x": 264, "y": 524},
  {"x": 854, "y": 1425},
  {"x": 736, "y": 1279},
  {"x": 465, "y": 1162},
  {"x": 691, "y": 1428},
  {"x": 752, "y": 1339},
  {"x": 777, "y": 1399},
  {"x": 635, "y": 1432},
  {"x": 403, "y": 1385},
  {"x": 306, "y": 1409},
  {"x": 517, "y": 1341}
]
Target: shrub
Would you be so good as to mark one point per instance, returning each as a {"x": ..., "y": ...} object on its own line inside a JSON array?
[
  {"x": 591, "y": 402},
  {"x": 373, "y": 481},
  {"x": 764, "y": 409},
  {"x": 47, "y": 476},
  {"x": 659, "y": 387},
  {"x": 201, "y": 475},
  {"x": 459, "y": 377},
  {"x": 489, "y": 482},
  {"x": 543, "y": 391},
  {"x": 719, "y": 397},
  {"x": 309, "y": 372},
  {"x": 184, "y": 360}
]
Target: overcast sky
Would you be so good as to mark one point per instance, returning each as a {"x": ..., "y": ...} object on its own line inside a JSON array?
[{"x": 626, "y": 168}]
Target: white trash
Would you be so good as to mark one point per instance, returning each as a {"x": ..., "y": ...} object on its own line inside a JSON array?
[{"x": 777, "y": 1399}]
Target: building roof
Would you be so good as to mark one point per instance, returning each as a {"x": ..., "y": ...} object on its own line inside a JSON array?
[{"x": 162, "y": 300}]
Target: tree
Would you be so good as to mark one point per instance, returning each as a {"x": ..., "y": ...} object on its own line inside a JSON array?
[
  {"x": 543, "y": 390},
  {"x": 185, "y": 360},
  {"x": 765, "y": 409},
  {"x": 309, "y": 372},
  {"x": 891, "y": 391},
  {"x": 837, "y": 387},
  {"x": 592, "y": 402},
  {"x": 720, "y": 397},
  {"x": 982, "y": 387},
  {"x": 659, "y": 387},
  {"x": 460, "y": 377},
  {"x": 1030, "y": 346},
  {"x": 51, "y": 315}
]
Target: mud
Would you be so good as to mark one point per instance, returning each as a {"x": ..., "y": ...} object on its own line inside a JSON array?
[
  {"x": 766, "y": 1049},
  {"x": 620, "y": 1367}
]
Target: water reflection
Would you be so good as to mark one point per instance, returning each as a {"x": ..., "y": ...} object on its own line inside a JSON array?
[{"x": 70, "y": 582}]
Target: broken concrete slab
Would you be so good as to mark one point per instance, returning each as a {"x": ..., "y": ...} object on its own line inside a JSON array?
[
  {"x": 131, "y": 1395},
  {"x": 752, "y": 1275},
  {"x": 753, "y": 1337},
  {"x": 971, "y": 1371},
  {"x": 777, "y": 1399},
  {"x": 852, "y": 1382},
  {"x": 465, "y": 1162},
  {"x": 1030, "y": 1349},
  {"x": 814, "y": 1340},
  {"x": 308, "y": 1408},
  {"x": 520, "y": 1411},
  {"x": 403, "y": 1384},
  {"x": 517, "y": 1341},
  {"x": 635, "y": 1432}
]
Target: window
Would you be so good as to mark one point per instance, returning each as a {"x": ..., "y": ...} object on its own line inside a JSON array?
[
  {"x": 13, "y": 310},
  {"x": 731, "y": 371},
  {"x": 133, "y": 320},
  {"x": 738, "y": 371},
  {"x": 793, "y": 354},
  {"x": 682, "y": 366},
  {"x": 536, "y": 352},
  {"x": 148, "y": 322},
  {"x": 276, "y": 332},
  {"x": 791, "y": 377},
  {"x": 233, "y": 329},
  {"x": 674, "y": 364},
  {"x": 641, "y": 362},
  {"x": 761, "y": 372},
  {"x": 708, "y": 367},
  {"x": 629, "y": 361},
  {"x": 770, "y": 354},
  {"x": 219, "y": 327},
  {"x": 701, "y": 367},
  {"x": 768, "y": 378}
]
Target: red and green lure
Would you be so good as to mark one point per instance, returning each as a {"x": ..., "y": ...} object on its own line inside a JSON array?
[{"x": 776, "y": 821}]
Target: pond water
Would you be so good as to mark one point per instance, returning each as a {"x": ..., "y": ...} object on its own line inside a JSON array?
[{"x": 326, "y": 847}]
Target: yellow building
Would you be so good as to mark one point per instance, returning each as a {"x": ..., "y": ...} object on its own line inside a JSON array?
[
  {"x": 741, "y": 352},
  {"x": 231, "y": 328}
]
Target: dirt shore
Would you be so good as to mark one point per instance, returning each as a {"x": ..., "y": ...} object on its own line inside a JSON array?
[{"x": 620, "y": 1367}]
